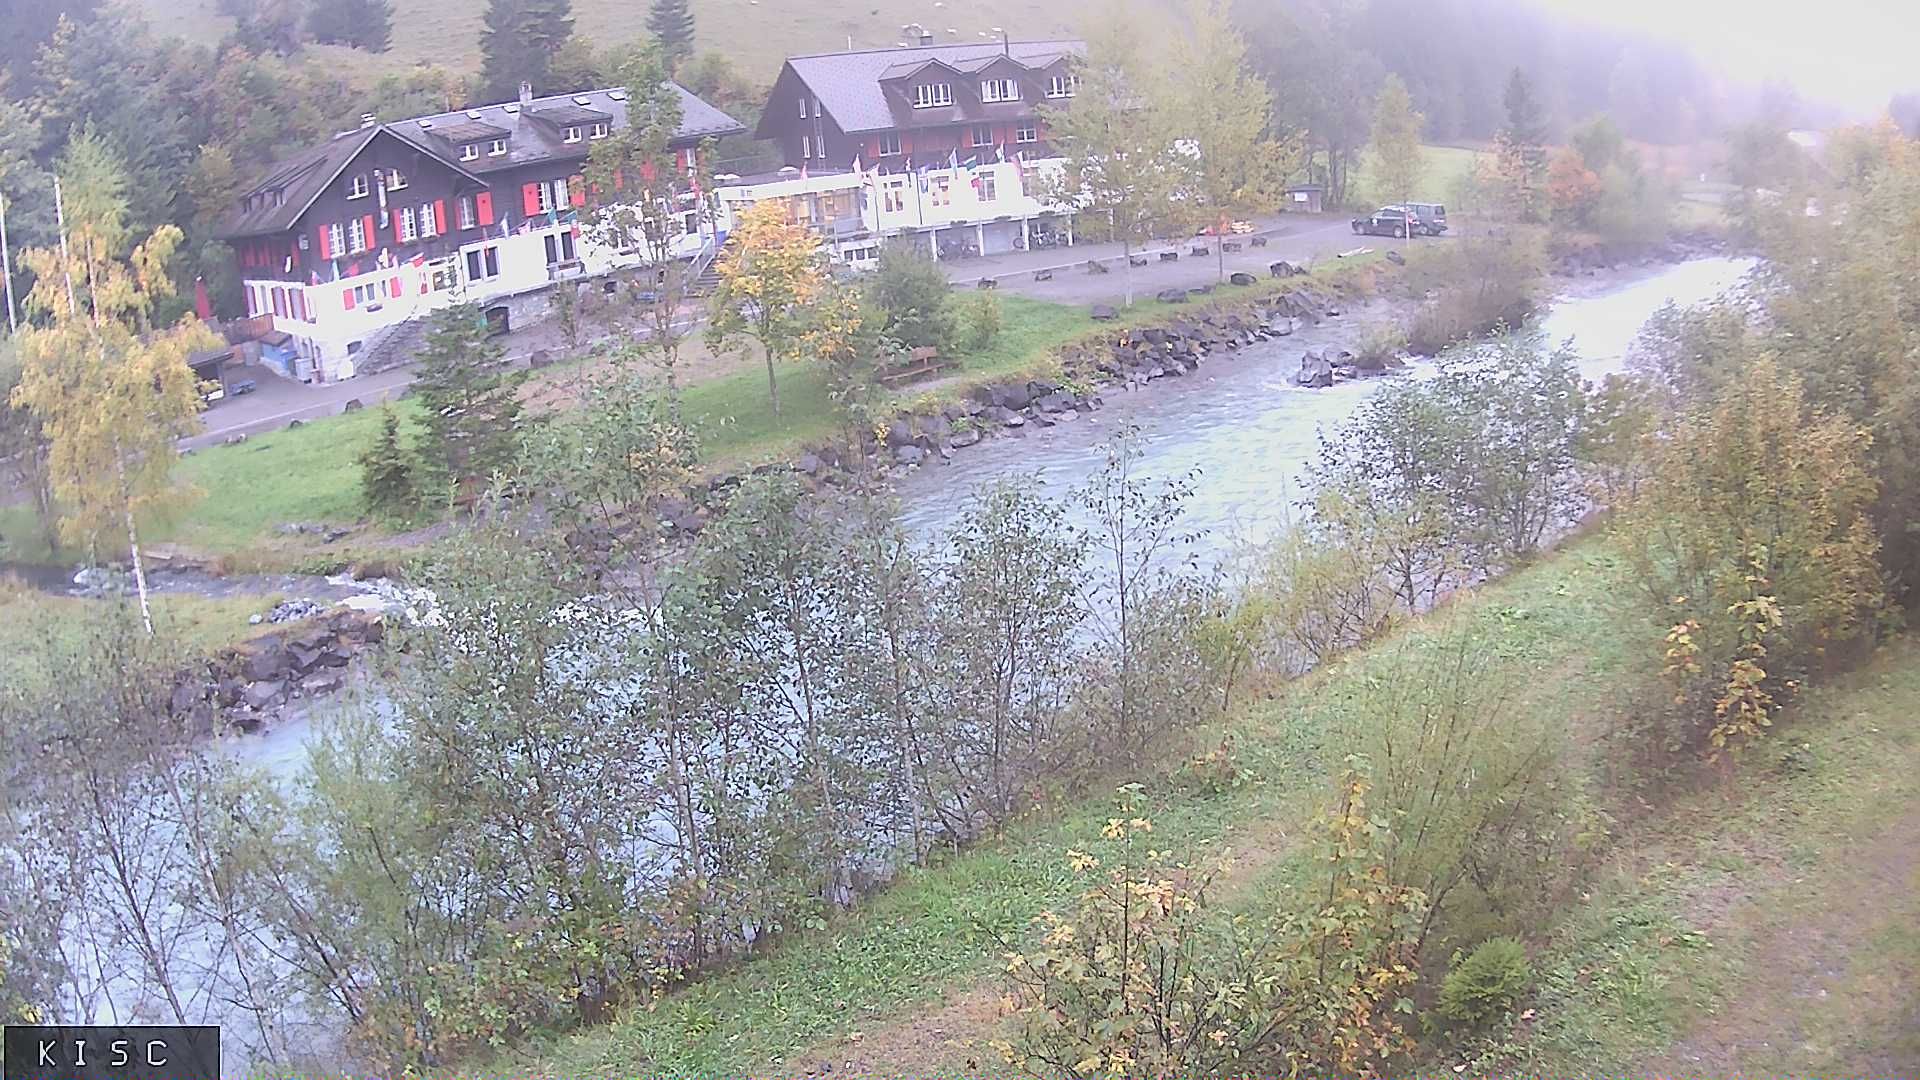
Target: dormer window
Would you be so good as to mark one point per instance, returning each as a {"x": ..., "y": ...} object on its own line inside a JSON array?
[
  {"x": 1060, "y": 86},
  {"x": 357, "y": 186},
  {"x": 496, "y": 148},
  {"x": 598, "y": 130},
  {"x": 999, "y": 90},
  {"x": 570, "y": 134},
  {"x": 470, "y": 151},
  {"x": 932, "y": 95},
  {"x": 396, "y": 180}
]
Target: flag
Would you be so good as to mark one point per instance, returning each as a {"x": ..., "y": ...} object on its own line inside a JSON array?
[
  {"x": 419, "y": 260},
  {"x": 953, "y": 158},
  {"x": 1000, "y": 153},
  {"x": 859, "y": 174},
  {"x": 313, "y": 277},
  {"x": 803, "y": 170}
]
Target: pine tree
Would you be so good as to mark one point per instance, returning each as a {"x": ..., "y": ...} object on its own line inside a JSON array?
[
  {"x": 470, "y": 401},
  {"x": 518, "y": 39},
  {"x": 363, "y": 24},
  {"x": 386, "y": 471},
  {"x": 671, "y": 24}
]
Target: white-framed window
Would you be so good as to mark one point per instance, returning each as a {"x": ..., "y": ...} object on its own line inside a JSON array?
[
  {"x": 803, "y": 107},
  {"x": 357, "y": 239},
  {"x": 370, "y": 293},
  {"x": 982, "y": 135},
  {"x": 893, "y": 196},
  {"x": 940, "y": 192},
  {"x": 483, "y": 263},
  {"x": 983, "y": 183},
  {"x": 336, "y": 239},
  {"x": 890, "y": 144},
  {"x": 470, "y": 151},
  {"x": 806, "y": 146},
  {"x": 932, "y": 95},
  {"x": 1060, "y": 86},
  {"x": 468, "y": 217},
  {"x": 396, "y": 180},
  {"x": 408, "y": 224},
  {"x": 598, "y": 130},
  {"x": 443, "y": 276},
  {"x": 429, "y": 224},
  {"x": 560, "y": 247},
  {"x": 1026, "y": 133},
  {"x": 496, "y": 148},
  {"x": 999, "y": 90},
  {"x": 570, "y": 133},
  {"x": 357, "y": 186}
]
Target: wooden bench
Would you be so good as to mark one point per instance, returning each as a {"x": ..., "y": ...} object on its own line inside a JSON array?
[
  {"x": 987, "y": 283},
  {"x": 920, "y": 362},
  {"x": 1137, "y": 260},
  {"x": 1095, "y": 266},
  {"x": 1229, "y": 246},
  {"x": 1043, "y": 275},
  {"x": 1200, "y": 249},
  {"x": 1259, "y": 241},
  {"x": 1169, "y": 256}
]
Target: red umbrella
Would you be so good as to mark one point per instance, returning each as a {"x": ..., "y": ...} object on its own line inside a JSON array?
[{"x": 202, "y": 303}]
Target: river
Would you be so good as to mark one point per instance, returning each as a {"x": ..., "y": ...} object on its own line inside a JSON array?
[{"x": 1249, "y": 432}]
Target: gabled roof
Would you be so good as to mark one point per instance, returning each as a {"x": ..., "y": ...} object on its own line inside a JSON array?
[
  {"x": 849, "y": 84},
  {"x": 534, "y": 133}
]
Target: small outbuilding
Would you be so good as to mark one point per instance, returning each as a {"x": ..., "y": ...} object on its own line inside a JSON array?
[{"x": 1305, "y": 198}]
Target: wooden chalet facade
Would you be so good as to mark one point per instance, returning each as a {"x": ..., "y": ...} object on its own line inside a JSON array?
[{"x": 381, "y": 224}]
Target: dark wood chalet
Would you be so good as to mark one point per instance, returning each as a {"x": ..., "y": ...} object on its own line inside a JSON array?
[
  {"x": 918, "y": 106},
  {"x": 430, "y": 187}
]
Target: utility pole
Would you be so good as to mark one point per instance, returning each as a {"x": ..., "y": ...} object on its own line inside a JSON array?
[{"x": 6, "y": 269}]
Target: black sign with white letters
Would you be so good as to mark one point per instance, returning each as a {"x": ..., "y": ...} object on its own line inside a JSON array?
[{"x": 111, "y": 1053}]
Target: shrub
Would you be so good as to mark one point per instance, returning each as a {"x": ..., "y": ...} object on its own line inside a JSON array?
[
  {"x": 1477, "y": 285},
  {"x": 980, "y": 321},
  {"x": 1486, "y": 982},
  {"x": 914, "y": 299}
]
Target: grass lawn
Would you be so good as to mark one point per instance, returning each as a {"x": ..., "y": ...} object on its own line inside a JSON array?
[
  {"x": 195, "y": 625},
  {"x": 756, "y": 34},
  {"x": 1444, "y": 166}
]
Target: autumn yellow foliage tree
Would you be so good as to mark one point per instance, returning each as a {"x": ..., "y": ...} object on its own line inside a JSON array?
[
  {"x": 1753, "y": 538},
  {"x": 112, "y": 390},
  {"x": 769, "y": 272}
]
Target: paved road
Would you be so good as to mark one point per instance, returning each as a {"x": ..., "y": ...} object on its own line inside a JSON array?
[{"x": 1296, "y": 238}]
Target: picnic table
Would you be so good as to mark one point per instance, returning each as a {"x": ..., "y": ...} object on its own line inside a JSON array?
[{"x": 921, "y": 362}]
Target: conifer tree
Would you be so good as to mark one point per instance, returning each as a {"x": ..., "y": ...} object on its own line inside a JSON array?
[
  {"x": 386, "y": 471},
  {"x": 363, "y": 24},
  {"x": 471, "y": 404},
  {"x": 518, "y": 39},
  {"x": 671, "y": 24}
]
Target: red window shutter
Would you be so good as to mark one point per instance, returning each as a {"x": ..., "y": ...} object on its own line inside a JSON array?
[
  {"x": 483, "y": 207},
  {"x": 372, "y": 237},
  {"x": 577, "y": 190},
  {"x": 619, "y": 182},
  {"x": 325, "y": 251},
  {"x": 349, "y": 299},
  {"x": 646, "y": 170},
  {"x": 397, "y": 234},
  {"x": 530, "y": 198},
  {"x": 425, "y": 286},
  {"x": 399, "y": 290},
  {"x": 441, "y": 226}
]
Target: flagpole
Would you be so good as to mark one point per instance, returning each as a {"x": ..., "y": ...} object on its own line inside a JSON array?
[{"x": 6, "y": 269}]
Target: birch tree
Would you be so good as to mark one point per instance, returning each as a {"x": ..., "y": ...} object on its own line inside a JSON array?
[
  {"x": 112, "y": 389},
  {"x": 1396, "y": 142},
  {"x": 769, "y": 273}
]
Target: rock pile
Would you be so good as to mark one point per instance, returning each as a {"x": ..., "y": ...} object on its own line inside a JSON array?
[{"x": 242, "y": 686}]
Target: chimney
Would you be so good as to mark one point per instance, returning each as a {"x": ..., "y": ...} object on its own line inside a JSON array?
[
  {"x": 526, "y": 94},
  {"x": 367, "y": 120}
]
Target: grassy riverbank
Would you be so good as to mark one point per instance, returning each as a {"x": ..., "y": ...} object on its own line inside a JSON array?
[
  {"x": 242, "y": 494},
  {"x": 1678, "y": 925},
  {"x": 37, "y": 629}
]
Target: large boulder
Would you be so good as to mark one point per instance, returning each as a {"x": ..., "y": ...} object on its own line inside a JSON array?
[
  {"x": 1315, "y": 372},
  {"x": 909, "y": 455},
  {"x": 965, "y": 437},
  {"x": 1105, "y": 313},
  {"x": 261, "y": 694},
  {"x": 1011, "y": 396},
  {"x": 1171, "y": 296},
  {"x": 1057, "y": 402},
  {"x": 899, "y": 433},
  {"x": 263, "y": 660},
  {"x": 1241, "y": 277}
]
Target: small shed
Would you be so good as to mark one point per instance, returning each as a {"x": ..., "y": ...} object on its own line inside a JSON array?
[{"x": 1305, "y": 198}]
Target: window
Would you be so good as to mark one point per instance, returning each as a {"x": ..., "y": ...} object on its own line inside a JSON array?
[
  {"x": 496, "y": 148},
  {"x": 470, "y": 151},
  {"x": 357, "y": 239},
  {"x": 406, "y": 225},
  {"x": 806, "y": 146},
  {"x": 396, "y": 179},
  {"x": 357, "y": 186},
  {"x": 893, "y": 196},
  {"x": 443, "y": 276},
  {"x": 598, "y": 130},
  {"x": 543, "y": 195},
  {"x": 336, "y": 239},
  {"x": 1062, "y": 86},
  {"x": 941, "y": 192},
  {"x": 803, "y": 108},
  {"x": 983, "y": 186},
  {"x": 468, "y": 219},
  {"x": 369, "y": 294},
  {"x": 429, "y": 225},
  {"x": 1026, "y": 133},
  {"x": 999, "y": 90},
  {"x": 982, "y": 135},
  {"x": 483, "y": 263},
  {"x": 559, "y": 247},
  {"x": 929, "y": 95},
  {"x": 570, "y": 134},
  {"x": 890, "y": 145}
]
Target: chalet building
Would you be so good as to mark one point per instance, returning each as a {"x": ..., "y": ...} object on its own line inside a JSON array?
[
  {"x": 340, "y": 243},
  {"x": 942, "y": 142}
]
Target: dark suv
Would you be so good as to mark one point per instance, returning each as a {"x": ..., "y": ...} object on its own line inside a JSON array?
[
  {"x": 1433, "y": 217},
  {"x": 1388, "y": 221}
]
